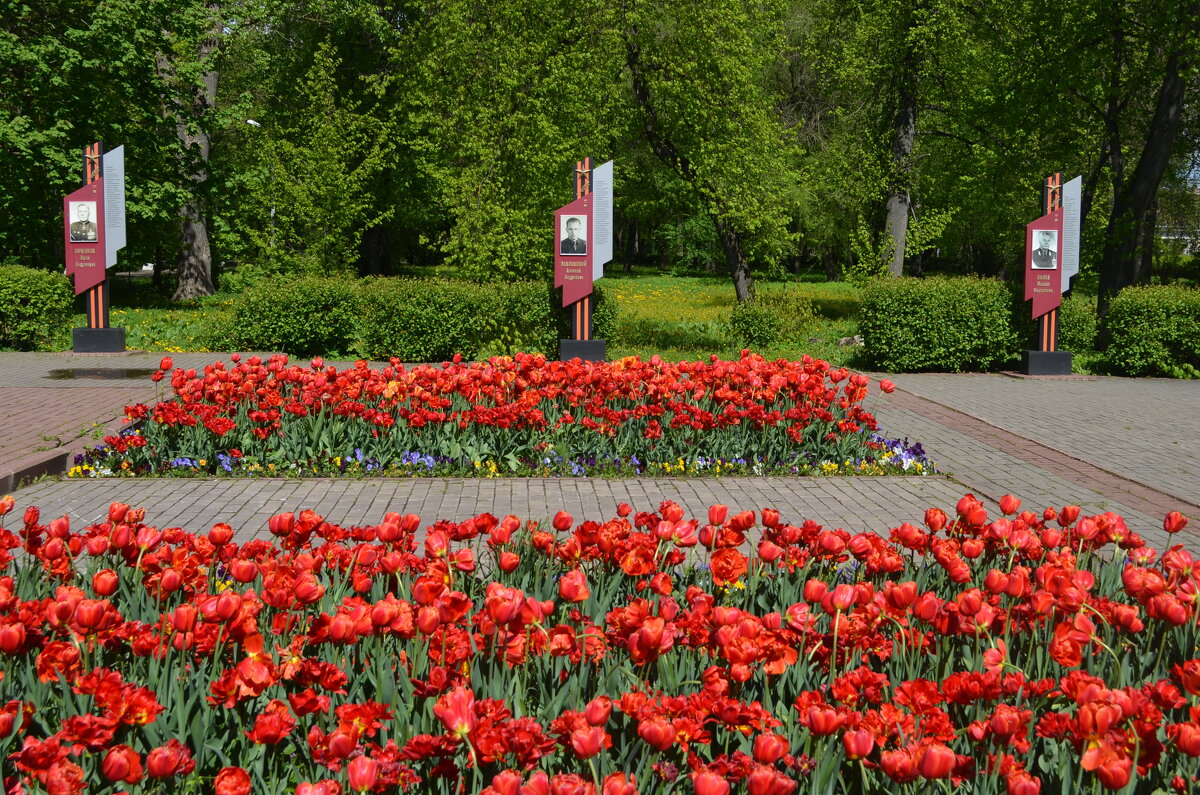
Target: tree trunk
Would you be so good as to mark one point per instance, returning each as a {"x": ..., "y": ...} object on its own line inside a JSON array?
[
  {"x": 832, "y": 273},
  {"x": 739, "y": 269},
  {"x": 1119, "y": 265},
  {"x": 194, "y": 263},
  {"x": 191, "y": 127},
  {"x": 904, "y": 133},
  {"x": 632, "y": 249}
]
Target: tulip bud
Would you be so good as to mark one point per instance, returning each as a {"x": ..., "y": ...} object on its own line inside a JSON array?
[
  {"x": 562, "y": 521},
  {"x": 104, "y": 582},
  {"x": 220, "y": 535},
  {"x": 363, "y": 772},
  {"x": 1174, "y": 522},
  {"x": 717, "y": 514}
]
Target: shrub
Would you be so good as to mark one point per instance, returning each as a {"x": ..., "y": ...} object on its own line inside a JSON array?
[
  {"x": 431, "y": 320},
  {"x": 755, "y": 325},
  {"x": 303, "y": 316},
  {"x": 1077, "y": 323},
  {"x": 945, "y": 324},
  {"x": 794, "y": 310},
  {"x": 424, "y": 320},
  {"x": 35, "y": 308},
  {"x": 1154, "y": 331}
]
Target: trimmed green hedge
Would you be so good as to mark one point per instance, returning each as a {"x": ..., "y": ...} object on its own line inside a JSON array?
[
  {"x": 940, "y": 324},
  {"x": 35, "y": 308},
  {"x": 1154, "y": 331},
  {"x": 299, "y": 315},
  {"x": 414, "y": 320}
]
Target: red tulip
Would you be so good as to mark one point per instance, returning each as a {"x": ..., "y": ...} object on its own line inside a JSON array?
[
  {"x": 858, "y": 743},
  {"x": 935, "y": 519},
  {"x": 7, "y": 503},
  {"x": 363, "y": 772},
  {"x": 117, "y": 511},
  {"x": 220, "y": 535},
  {"x": 619, "y": 784},
  {"x": 1009, "y": 505},
  {"x": 590, "y": 741},
  {"x": 886, "y": 385},
  {"x": 169, "y": 760},
  {"x": 104, "y": 582},
  {"x": 166, "y": 363},
  {"x": 572, "y": 586},
  {"x": 657, "y": 732},
  {"x": 705, "y": 782},
  {"x": 506, "y": 782},
  {"x": 1174, "y": 522},
  {"x": 597, "y": 712},
  {"x": 232, "y": 781},
  {"x": 456, "y": 711},
  {"x": 122, "y": 763},
  {"x": 936, "y": 762},
  {"x": 508, "y": 562},
  {"x": 282, "y": 524},
  {"x": 769, "y": 748},
  {"x": 562, "y": 521},
  {"x": 717, "y": 514}
]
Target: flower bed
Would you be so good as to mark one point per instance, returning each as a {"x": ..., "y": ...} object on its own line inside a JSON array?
[
  {"x": 508, "y": 416},
  {"x": 648, "y": 653}
]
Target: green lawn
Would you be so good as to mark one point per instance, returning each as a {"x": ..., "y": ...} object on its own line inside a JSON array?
[{"x": 684, "y": 317}]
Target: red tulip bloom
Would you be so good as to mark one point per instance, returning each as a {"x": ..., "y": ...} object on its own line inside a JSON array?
[
  {"x": 122, "y": 763},
  {"x": 273, "y": 724},
  {"x": 769, "y": 748},
  {"x": 657, "y": 732},
  {"x": 886, "y": 386},
  {"x": 1174, "y": 522},
  {"x": 597, "y": 712},
  {"x": 232, "y": 781},
  {"x": 363, "y": 772},
  {"x": 172, "y": 759},
  {"x": 573, "y": 587},
  {"x": 590, "y": 741},
  {"x": 1009, "y": 505},
  {"x": 858, "y": 743},
  {"x": 456, "y": 711},
  {"x": 562, "y": 521},
  {"x": 104, "y": 582},
  {"x": 936, "y": 762},
  {"x": 619, "y": 784},
  {"x": 705, "y": 782}
]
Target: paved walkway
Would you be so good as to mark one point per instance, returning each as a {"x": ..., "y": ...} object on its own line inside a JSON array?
[{"x": 1125, "y": 445}]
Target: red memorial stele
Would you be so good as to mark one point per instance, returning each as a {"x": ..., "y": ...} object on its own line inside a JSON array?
[
  {"x": 582, "y": 245},
  {"x": 93, "y": 231},
  {"x": 1051, "y": 258}
]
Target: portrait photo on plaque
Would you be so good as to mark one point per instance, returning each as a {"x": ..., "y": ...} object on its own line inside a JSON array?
[
  {"x": 574, "y": 235},
  {"x": 1045, "y": 249},
  {"x": 83, "y": 222}
]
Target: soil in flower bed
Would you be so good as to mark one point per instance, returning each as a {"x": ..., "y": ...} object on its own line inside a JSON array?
[
  {"x": 522, "y": 416},
  {"x": 649, "y": 652}
]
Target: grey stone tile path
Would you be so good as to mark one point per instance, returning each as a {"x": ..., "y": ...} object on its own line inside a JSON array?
[{"x": 1125, "y": 445}]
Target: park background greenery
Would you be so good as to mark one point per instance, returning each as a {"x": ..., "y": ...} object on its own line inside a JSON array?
[{"x": 758, "y": 147}]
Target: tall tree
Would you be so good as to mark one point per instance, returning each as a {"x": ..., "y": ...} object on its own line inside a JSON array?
[
  {"x": 189, "y": 71},
  {"x": 700, "y": 81}
]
